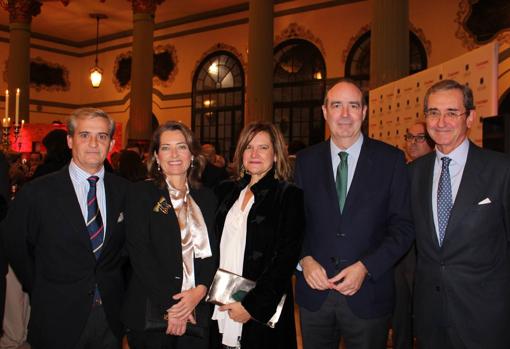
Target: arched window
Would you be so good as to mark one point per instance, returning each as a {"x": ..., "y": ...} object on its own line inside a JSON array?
[
  {"x": 357, "y": 65},
  {"x": 299, "y": 84},
  {"x": 218, "y": 102}
]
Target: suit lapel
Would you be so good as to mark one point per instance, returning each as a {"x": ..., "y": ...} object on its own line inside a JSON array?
[
  {"x": 112, "y": 207},
  {"x": 67, "y": 203},
  {"x": 325, "y": 166},
  {"x": 425, "y": 191},
  {"x": 467, "y": 194},
  {"x": 361, "y": 176}
]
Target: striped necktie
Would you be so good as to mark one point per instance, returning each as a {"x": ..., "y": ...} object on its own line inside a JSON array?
[{"x": 95, "y": 225}]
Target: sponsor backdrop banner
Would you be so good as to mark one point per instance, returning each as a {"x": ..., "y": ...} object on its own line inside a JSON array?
[{"x": 396, "y": 106}]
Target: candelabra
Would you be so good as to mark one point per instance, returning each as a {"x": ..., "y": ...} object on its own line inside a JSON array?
[
  {"x": 6, "y": 130},
  {"x": 17, "y": 135}
]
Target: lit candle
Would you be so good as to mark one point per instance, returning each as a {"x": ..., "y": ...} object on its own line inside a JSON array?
[
  {"x": 17, "y": 107},
  {"x": 22, "y": 123},
  {"x": 6, "y": 103}
]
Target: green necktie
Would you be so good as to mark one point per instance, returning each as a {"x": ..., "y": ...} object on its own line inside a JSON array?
[{"x": 341, "y": 179}]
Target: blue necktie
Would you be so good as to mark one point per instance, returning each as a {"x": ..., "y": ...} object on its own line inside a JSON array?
[
  {"x": 444, "y": 198},
  {"x": 95, "y": 226}
]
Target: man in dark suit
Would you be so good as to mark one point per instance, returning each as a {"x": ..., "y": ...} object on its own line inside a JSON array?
[
  {"x": 461, "y": 209},
  {"x": 358, "y": 224},
  {"x": 64, "y": 237}
]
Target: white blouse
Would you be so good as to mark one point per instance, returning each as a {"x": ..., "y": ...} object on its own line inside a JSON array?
[{"x": 232, "y": 245}]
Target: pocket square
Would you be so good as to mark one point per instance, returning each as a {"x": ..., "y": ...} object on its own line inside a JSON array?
[
  {"x": 485, "y": 201},
  {"x": 121, "y": 217}
]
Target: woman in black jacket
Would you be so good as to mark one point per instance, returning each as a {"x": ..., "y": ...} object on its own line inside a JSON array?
[
  {"x": 171, "y": 244},
  {"x": 260, "y": 223}
]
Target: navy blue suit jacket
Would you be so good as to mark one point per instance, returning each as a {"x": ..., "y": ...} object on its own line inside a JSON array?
[{"x": 375, "y": 226}]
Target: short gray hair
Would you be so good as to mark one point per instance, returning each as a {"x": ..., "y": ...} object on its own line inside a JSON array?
[{"x": 89, "y": 113}]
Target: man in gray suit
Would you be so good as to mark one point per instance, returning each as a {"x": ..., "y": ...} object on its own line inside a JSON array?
[{"x": 461, "y": 207}]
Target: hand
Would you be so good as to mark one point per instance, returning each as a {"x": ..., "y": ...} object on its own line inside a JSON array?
[
  {"x": 236, "y": 312},
  {"x": 314, "y": 274},
  {"x": 176, "y": 327},
  {"x": 350, "y": 279},
  {"x": 188, "y": 300}
]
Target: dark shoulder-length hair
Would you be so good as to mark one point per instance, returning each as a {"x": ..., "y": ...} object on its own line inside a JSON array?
[
  {"x": 282, "y": 168},
  {"x": 197, "y": 160}
]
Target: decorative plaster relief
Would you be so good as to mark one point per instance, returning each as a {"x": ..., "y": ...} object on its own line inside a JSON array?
[{"x": 296, "y": 31}]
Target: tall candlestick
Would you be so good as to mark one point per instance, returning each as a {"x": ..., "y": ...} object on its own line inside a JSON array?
[
  {"x": 6, "y": 103},
  {"x": 17, "y": 106}
]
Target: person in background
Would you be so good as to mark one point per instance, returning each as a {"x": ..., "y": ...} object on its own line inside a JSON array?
[
  {"x": 58, "y": 153},
  {"x": 131, "y": 167},
  {"x": 212, "y": 174},
  {"x": 418, "y": 144},
  {"x": 260, "y": 224},
  {"x": 64, "y": 238},
  {"x": 171, "y": 244}
]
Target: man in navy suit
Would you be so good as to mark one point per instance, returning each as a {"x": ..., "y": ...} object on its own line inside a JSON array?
[
  {"x": 64, "y": 237},
  {"x": 358, "y": 224},
  {"x": 461, "y": 209}
]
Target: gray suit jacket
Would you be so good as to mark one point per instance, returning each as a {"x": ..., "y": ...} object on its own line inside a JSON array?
[{"x": 465, "y": 283}]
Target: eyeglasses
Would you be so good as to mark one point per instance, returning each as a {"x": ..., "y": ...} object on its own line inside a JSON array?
[
  {"x": 449, "y": 114},
  {"x": 412, "y": 138}
]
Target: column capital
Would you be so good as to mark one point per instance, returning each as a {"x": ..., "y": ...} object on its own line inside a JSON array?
[
  {"x": 22, "y": 11},
  {"x": 145, "y": 6}
]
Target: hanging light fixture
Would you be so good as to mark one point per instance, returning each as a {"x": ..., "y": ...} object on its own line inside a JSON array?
[{"x": 96, "y": 73}]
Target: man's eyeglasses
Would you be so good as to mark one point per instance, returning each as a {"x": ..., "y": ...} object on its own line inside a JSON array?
[
  {"x": 449, "y": 114},
  {"x": 412, "y": 138}
]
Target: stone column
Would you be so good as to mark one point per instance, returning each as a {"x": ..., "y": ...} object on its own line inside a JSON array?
[
  {"x": 389, "y": 41},
  {"x": 260, "y": 61},
  {"x": 140, "y": 115},
  {"x": 18, "y": 64}
]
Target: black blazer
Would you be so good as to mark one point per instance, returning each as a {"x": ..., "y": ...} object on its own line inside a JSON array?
[
  {"x": 273, "y": 244},
  {"x": 48, "y": 246},
  {"x": 154, "y": 246},
  {"x": 465, "y": 283},
  {"x": 374, "y": 227}
]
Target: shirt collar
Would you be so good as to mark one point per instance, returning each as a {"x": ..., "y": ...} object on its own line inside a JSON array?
[
  {"x": 353, "y": 150},
  {"x": 458, "y": 155},
  {"x": 80, "y": 174}
]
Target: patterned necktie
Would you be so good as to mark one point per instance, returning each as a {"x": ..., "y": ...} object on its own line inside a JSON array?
[
  {"x": 341, "y": 179},
  {"x": 444, "y": 198},
  {"x": 94, "y": 221}
]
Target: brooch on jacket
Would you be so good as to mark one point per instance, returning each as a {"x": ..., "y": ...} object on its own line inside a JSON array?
[{"x": 162, "y": 206}]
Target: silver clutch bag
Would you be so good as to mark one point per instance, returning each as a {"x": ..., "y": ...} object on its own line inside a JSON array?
[{"x": 228, "y": 287}]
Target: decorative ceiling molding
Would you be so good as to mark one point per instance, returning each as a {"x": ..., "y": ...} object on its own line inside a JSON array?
[
  {"x": 427, "y": 44},
  {"x": 467, "y": 38},
  {"x": 296, "y": 31},
  {"x": 219, "y": 47}
]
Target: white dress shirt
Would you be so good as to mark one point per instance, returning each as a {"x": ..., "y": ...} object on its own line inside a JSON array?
[{"x": 456, "y": 169}]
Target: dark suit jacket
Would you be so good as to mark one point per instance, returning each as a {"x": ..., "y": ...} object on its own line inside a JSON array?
[
  {"x": 466, "y": 282},
  {"x": 154, "y": 246},
  {"x": 274, "y": 235},
  {"x": 48, "y": 247},
  {"x": 375, "y": 226}
]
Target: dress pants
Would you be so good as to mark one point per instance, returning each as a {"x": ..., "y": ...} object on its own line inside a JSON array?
[
  {"x": 324, "y": 328},
  {"x": 441, "y": 337},
  {"x": 97, "y": 333},
  {"x": 401, "y": 321}
]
